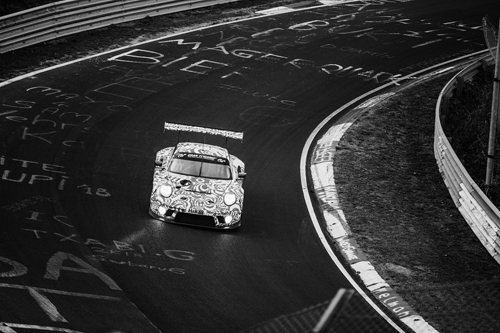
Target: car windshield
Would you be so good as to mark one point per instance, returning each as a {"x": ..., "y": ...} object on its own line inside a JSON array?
[{"x": 199, "y": 165}]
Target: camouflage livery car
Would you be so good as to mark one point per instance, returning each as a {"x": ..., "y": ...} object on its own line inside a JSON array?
[{"x": 198, "y": 184}]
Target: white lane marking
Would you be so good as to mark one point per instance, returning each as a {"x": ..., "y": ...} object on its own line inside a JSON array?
[{"x": 59, "y": 292}]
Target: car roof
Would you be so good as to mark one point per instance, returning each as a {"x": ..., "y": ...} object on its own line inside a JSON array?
[{"x": 202, "y": 148}]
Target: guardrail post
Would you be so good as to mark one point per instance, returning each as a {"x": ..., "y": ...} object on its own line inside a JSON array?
[{"x": 495, "y": 108}]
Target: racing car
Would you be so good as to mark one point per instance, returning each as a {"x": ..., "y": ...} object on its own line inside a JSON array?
[{"x": 198, "y": 184}]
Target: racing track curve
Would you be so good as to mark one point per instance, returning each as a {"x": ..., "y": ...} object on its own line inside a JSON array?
[{"x": 78, "y": 144}]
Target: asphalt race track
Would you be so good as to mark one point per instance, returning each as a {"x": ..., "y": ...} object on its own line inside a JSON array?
[{"x": 78, "y": 250}]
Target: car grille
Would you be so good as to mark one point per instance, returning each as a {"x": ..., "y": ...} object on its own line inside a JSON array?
[{"x": 198, "y": 220}]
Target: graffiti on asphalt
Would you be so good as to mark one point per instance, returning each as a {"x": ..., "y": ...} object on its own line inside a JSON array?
[{"x": 51, "y": 173}]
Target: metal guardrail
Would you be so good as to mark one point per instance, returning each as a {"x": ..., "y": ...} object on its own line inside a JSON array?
[
  {"x": 479, "y": 212},
  {"x": 68, "y": 17}
]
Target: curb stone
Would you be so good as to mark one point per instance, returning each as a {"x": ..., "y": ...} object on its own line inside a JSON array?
[{"x": 322, "y": 173}]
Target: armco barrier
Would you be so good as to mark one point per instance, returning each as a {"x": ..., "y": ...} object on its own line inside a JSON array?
[
  {"x": 481, "y": 215},
  {"x": 68, "y": 17}
]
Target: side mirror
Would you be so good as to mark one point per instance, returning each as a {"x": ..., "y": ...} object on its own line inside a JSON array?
[
  {"x": 242, "y": 175},
  {"x": 159, "y": 161}
]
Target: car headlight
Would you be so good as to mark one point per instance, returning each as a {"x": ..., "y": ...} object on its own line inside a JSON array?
[
  {"x": 165, "y": 190},
  {"x": 229, "y": 198}
]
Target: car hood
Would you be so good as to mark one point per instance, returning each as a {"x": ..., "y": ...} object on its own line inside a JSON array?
[{"x": 197, "y": 184}]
